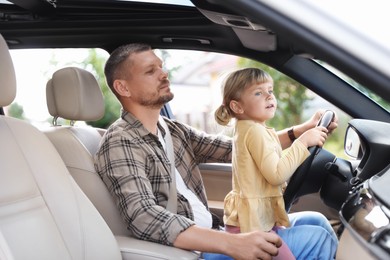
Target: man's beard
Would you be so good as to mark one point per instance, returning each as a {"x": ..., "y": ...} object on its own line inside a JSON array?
[{"x": 157, "y": 103}]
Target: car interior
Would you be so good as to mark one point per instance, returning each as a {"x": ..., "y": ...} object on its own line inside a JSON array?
[
  {"x": 44, "y": 212},
  {"x": 77, "y": 145},
  {"x": 53, "y": 205}
]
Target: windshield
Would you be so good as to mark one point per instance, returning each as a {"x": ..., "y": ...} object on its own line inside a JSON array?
[
  {"x": 369, "y": 19},
  {"x": 357, "y": 27}
]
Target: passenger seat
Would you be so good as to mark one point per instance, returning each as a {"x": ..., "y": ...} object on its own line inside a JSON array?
[
  {"x": 43, "y": 212},
  {"x": 74, "y": 94}
]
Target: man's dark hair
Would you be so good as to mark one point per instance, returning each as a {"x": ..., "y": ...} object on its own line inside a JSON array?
[{"x": 113, "y": 67}]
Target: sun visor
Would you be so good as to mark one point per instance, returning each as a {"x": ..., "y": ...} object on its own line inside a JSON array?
[{"x": 251, "y": 35}]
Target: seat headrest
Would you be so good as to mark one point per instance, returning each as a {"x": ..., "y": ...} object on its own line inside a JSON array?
[
  {"x": 7, "y": 75},
  {"x": 74, "y": 94}
]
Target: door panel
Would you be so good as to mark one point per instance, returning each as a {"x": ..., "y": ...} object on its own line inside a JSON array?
[{"x": 217, "y": 178}]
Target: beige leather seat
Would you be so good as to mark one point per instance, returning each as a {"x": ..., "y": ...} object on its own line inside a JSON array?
[
  {"x": 74, "y": 94},
  {"x": 43, "y": 212}
]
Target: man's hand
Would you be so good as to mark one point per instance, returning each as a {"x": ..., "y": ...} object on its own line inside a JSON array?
[
  {"x": 255, "y": 245},
  {"x": 244, "y": 246}
]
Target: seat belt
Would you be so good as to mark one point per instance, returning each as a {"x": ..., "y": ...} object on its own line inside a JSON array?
[{"x": 172, "y": 199}]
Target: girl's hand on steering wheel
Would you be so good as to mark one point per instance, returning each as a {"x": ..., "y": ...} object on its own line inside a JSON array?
[
  {"x": 313, "y": 121},
  {"x": 314, "y": 137}
]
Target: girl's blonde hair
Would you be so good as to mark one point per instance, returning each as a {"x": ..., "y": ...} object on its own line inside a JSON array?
[{"x": 232, "y": 88}]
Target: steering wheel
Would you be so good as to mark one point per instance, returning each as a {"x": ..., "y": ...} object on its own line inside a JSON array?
[{"x": 299, "y": 175}]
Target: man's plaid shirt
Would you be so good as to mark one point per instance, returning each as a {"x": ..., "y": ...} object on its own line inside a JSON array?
[{"x": 133, "y": 165}]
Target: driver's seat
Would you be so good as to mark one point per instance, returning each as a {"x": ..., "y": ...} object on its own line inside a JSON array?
[{"x": 43, "y": 212}]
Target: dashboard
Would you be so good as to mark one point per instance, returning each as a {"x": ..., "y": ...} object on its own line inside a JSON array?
[{"x": 365, "y": 213}]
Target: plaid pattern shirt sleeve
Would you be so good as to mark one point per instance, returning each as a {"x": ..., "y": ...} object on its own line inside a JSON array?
[{"x": 135, "y": 168}]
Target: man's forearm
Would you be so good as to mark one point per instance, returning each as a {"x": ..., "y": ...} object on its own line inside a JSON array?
[
  {"x": 203, "y": 239},
  {"x": 253, "y": 245}
]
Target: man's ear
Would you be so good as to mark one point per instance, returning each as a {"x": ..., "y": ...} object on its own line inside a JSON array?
[
  {"x": 235, "y": 106},
  {"x": 121, "y": 88}
]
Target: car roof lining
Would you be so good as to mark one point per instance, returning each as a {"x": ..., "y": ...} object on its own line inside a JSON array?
[
  {"x": 107, "y": 25},
  {"x": 36, "y": 6},
  {"x": 98, "y": 13}
]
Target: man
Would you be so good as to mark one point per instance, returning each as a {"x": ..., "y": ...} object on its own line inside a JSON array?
[{"x": 135, "y": 167}]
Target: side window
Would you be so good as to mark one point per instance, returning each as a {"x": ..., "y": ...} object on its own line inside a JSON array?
[
  {"x": 196, "y": 80},
  {"x": 34, "y": 67}
]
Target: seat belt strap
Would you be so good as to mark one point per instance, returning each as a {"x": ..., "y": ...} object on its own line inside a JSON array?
[{"x": 172, "y": 199}]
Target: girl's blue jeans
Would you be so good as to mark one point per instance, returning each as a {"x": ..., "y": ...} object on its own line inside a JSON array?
[{"x": 309, "y": 237}]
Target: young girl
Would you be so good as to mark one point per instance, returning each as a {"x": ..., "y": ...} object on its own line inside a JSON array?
[{"x": 260, "y": 169}]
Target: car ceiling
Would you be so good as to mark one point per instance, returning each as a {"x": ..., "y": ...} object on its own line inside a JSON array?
[{"x": 108, "y": 24}]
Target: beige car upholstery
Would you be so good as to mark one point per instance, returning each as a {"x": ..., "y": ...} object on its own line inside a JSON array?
[
  {"x": 43, "y": 212},
  {"x": 5, "y": 252},
  {"x": 74, "y": 94},
  {"x": 67, "y": 95}
]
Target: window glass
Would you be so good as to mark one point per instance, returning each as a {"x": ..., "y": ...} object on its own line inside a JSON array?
[
  {"x": 350, "y": 15},
  {"x": 34, "y": 67},
  {"x": 196, "y": 79}
]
